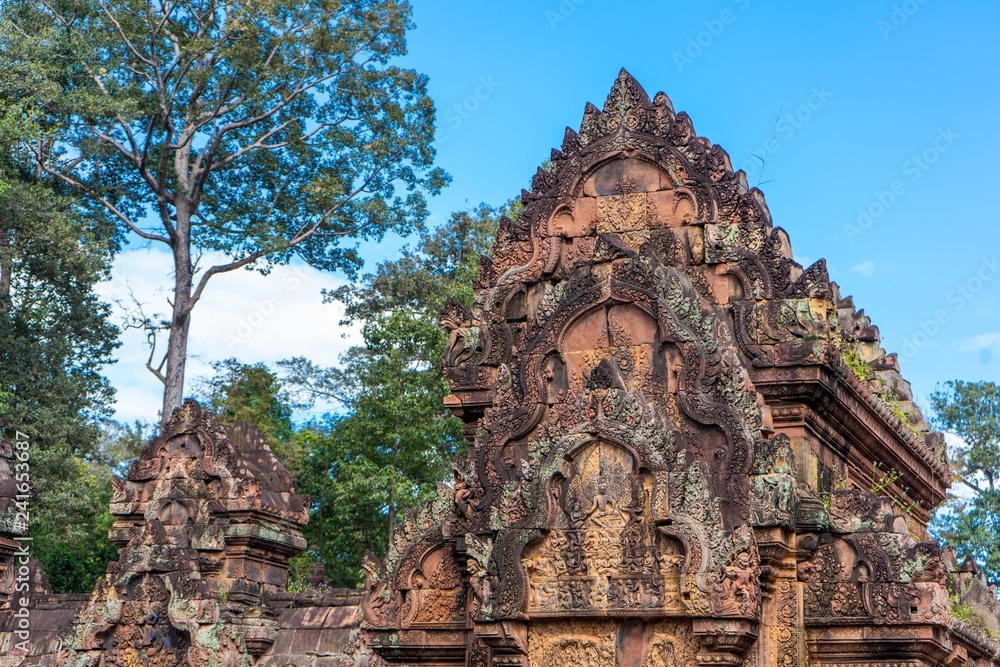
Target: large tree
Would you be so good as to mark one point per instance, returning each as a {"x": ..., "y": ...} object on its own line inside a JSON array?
[
  {"x": 238, "y": 132},
  {"x": 393, "y": 440},
  {"x": 970, "y": 520}
]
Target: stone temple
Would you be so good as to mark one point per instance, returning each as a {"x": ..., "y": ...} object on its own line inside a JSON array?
[{"x": 674, "y": 434}]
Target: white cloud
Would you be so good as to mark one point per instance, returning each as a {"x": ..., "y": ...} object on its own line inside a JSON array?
[
  {"x": 986, "y": 341},
  {"x": 865, "y": 268},
  {"x": 241, "y": 314}
]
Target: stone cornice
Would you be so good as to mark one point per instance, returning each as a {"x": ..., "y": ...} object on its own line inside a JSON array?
[{"x": 851, "y": 412}]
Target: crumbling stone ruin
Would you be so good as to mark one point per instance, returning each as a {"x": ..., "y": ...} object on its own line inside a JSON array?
[
  {"x": 675, "y": 432},
  {"x": 205, "y": 522}
]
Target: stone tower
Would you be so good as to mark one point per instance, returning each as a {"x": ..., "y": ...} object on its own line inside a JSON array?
[
  {"x": 674, "y": 429},
  {"x": 205, "y": 523}
]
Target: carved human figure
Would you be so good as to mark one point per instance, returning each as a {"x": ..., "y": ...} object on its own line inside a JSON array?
[
  {"x": 738, "y": 585},
  {"x": 603, "y": 553},
  {"x": 575, "y": 515},
  {"x": 670, "y": 562},
  {"x": 780, "y": 489},
  {"x": 463, "y": 495},
  {"x": 599, "y": 593},
  {"x": 602, "y": 507},
  {"x": 547, "y": 594},
  {"x": 635, "y": 556},
  {"x": 479, "y": 581}
]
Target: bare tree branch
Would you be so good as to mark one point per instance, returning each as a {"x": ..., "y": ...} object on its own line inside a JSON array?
[
  {"x": 137, "y": 319},
  {"x": 114, "y": 210}
]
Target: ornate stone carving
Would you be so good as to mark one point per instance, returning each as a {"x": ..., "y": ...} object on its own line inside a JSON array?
[
  {"x": 616, "y": 431},
  {"x": 625, "y": 465},
  {"x": 668, "y": 457},
  {"x": 206, "y": 521}
]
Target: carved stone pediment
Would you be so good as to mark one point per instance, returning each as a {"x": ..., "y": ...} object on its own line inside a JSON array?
[{"x": 667, "y": 450}]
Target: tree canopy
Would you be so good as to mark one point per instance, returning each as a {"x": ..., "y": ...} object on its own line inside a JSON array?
[
  {"x": 970, "y": 521},
  {"x": 234, "y": 133},
  {"x": 54, "y": 340},
  {"x": 253, "y": 393}
]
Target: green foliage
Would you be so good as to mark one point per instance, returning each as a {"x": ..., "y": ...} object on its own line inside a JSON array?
[
  {"x": 71, "y": 539},
  {"x": 965, "y": 612},
  {"x": 962, "y": 612},
  {"x": 300, "y": 567},
  {"x": 54, "y": 340},
  {"x": 261, "y": 116},
  {"x": 120, "y": 444},
  {"x": 386, "y": 454},
  {"x": 444, "y": 264},
  {"x": 70, "y": 518},
  {"x": 971, "y": 411},
  {"x": 883, "y": 483},
  {"x": 851, "y": 355},
  {"x": 254, "y": 130},
  {"x": 394, "y": 441},
  {"x": 897, "y": 410},
  {"x": 253, "y": 393}
]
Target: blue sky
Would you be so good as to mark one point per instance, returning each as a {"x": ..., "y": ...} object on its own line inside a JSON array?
[
  {"x": 881, "y": 107},
  {"x": 886, "y": 107}
]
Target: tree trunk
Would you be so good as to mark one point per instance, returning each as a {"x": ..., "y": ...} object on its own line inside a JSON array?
[
  {"x": 392, "y": 519},
  {"x": 180, "y": 320},
  {"x": 6, "y": 270},
  {"x": 173, "y": 389}
]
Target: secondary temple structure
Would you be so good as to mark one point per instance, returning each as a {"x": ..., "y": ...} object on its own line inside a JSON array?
[{"x": 675, "y": 432}]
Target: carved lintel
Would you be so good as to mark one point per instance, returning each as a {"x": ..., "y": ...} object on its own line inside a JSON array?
[
  {"x": 723, "y": 641},
  {"x": 913, "y": 644},
  {"x": 512, "y": 636},
  {"x": 507, "y": 642},
  {"x": 439, "y": 647}
]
